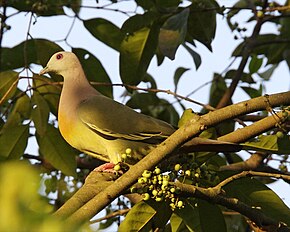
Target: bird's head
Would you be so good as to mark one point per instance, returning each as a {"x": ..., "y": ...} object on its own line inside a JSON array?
[{"x": 60, "y": 63}]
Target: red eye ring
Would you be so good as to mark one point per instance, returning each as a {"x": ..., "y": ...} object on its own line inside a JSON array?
[{"x": 59, "y": 56}]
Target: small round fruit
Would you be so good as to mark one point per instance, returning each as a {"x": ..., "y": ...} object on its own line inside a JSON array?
[
  {"x": 124, "y": 156},
  {"x": 157, "y": 171},
  {"x": 117, "y": 167},
  {"x": 146, "y": 196},
  {"x": 146, "y": 174},
  {"x": 128, "y": 151},
  {"x": 187, "y": 172},
  {"x": 179, "y": 204},
  {"x": 280, "y": 134},
  {"x": 177, "y": 167}
]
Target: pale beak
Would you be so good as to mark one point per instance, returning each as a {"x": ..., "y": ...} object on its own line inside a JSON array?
[{"x": 44, "y": 70}]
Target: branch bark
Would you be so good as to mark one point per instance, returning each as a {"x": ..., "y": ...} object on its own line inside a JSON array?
[{"x": 171, "y": 144}]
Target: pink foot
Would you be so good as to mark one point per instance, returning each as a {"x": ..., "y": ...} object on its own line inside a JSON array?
[{"x": 107, "y": 167}]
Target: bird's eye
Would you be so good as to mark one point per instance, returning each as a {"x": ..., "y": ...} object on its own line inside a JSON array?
[{"x": 59, "y": 56}]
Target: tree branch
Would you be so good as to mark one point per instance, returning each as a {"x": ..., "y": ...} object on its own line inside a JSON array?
[{"x": 182, "y": 135}]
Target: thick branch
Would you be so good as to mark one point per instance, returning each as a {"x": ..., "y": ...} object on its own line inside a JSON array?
[{"x": 176, "y": 140}]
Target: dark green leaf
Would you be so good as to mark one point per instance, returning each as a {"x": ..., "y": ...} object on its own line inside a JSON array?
[
  {"x": 190, "y": 216},
  {"x": 177, "y": 75},
  {"x": 172, "y": 33},
  {"x": 13, "y": 141},
  {"x": 195, "y": 56},
  {"x": 8, "y": 85},
  {"x": 252, "y": 92},
  {"x": 136, "y": 53},
  {"x": 49, "y": 91},
  {"x": 149, "y": 79},
  {"x": 138, "y": 21},
  {"x": 144, "y": 217},
  {"x": 105, "y": 31},
  {"x": 177, "y": 224},
  {"x": 146, "y": 4},
  {"x": 255, "y": 64},
  {"x": 167, "y": 5},
  {"x": 246, "y": 77},
  {"x": 202, "y": 23},
  {"x": 210, "y": 217},
  {"x": 21, "y": 111},
  {"x": 94, "y": 71},
  {"x": 40, "y": 113},
  {"x": 38, "y": 52},
  {"x": 286, "y": 56},
  {"x": 217, "y": 89},
  {"x": 256, "y": 194},
  {"x": 56, "y": 151}
]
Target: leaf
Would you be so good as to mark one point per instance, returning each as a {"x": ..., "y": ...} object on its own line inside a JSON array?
[
  {"x": 13, "y": 141},
  {"x": 48, "y": 90},
  {"x": 177, "y": 75},
  {"x": 187, "y": 115},
  {"x": 40, "y": 113},
  {"x": 266, "y": 75},
  {"x": 172, "y": 33},
  {"x": 246, "y": 77},
  {"x": 252, "y": 92},
  {"x": 21, "y": 111},
  {"x": 8, "y": 85},
  {"x": 195, "y": 56},
  {"x": 210, "y": 217},
  {"x": 137, "y": 50},
  {"x": 202, "y": 23},
  {"x": 38, "y": 52},
  {"x": 270, "y": 143},
  {"x": 94, "y": 71},
  {"x": 177, "y": 224},
  {"x": 217, "y": 89},
  {"x": 255, "y": 64},
  {"x": 167, "y": 5},
  {"x": 56, "y": 151},
  {"x": 145, "y": 216},
  {"x": 139, "y": 21},
  {"x": 105, "y": 31},
  {"x": 255, "y": 194},
  {"x": 190, "y": 216}
]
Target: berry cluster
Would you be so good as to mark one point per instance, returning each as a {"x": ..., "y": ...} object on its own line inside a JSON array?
[{"x": 160, "y": 186}]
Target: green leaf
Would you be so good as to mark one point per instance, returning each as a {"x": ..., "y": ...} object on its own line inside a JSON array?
[
  {"x": 190, "y": 216},
  {"x": 151, "y": 105},
  {"x": 172, "y": 33},
  {"x": 210, "y": 217},
  {"x": 217, "y": 89},
  {"x": 137, "y": 50},
  {"x": 187, "y": 115},
  {"x": 8, "y": 82},
  {"x": 94, "y": 71},
  {"x": 146, "y": 4},
  {"x": 40, "y": 113},
  {"x": 202, "y": 23},
  {"x": 177, "y": 224},
  {"x": 195, "y": 56},
  {"x": 270, "y": 143},
  {"x": 13, "y": 141},
  {"x": 56, "y": 151},
  {"x": 139, "y": 21},
  {"x": 105, "y": 31},
  {"x": 266, "y": 75},
  {"x": 167, "y": 5},
  {"x": 255, "y": 194},
  {"x": 252, "y": 92},
  {"x": 255, "y": 64},
  {"x": 38, "y": 52},
  {"x": 21, "y": 111},
  {"x": 246, "y": 77},
  {"x": 177, "y": 75},
  {"x": 48, "y": 90},
  {"x": 145, "y": 216}
]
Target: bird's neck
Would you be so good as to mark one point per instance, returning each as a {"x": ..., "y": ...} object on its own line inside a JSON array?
[{"x": 76, "y": 88}]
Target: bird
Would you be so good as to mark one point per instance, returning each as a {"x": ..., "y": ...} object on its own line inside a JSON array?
[{"x": 98, "y": 125}]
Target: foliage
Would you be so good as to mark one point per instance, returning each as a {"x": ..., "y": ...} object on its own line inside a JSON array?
[{"x": 154, "y": 29}]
